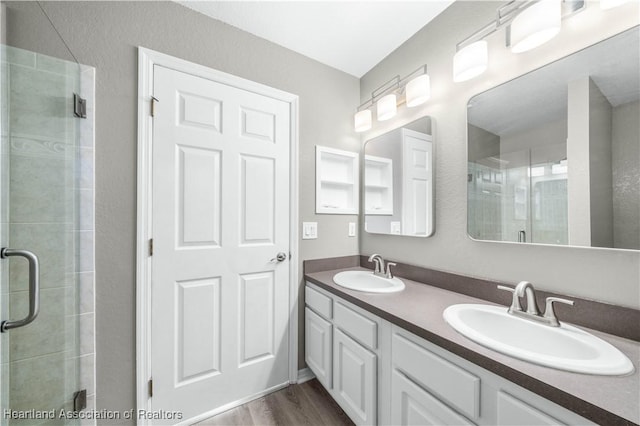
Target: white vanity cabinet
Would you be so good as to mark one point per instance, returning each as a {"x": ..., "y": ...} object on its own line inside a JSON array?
[
  {"x": 319, "y": 335},
  {"x": 412, "y": 405},
  {"x": 355, "y": 379},
  {"x": 318, "y": 347},
  {"x": 432, "y": 386},
  {"x": 426, "y": 385},
  {"x": 344, "y": 351},
  {"x": 380, "y": 373}
]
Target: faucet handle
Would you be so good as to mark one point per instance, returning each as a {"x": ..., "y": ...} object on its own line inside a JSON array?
[
  {"x": 550, "y": 313},
  {"x": 388, "y": 273},
  {"x": 504, "y": 287}
]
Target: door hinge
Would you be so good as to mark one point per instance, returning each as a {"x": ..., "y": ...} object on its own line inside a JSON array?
[
  {"x": 79, "y": 106},
  {"x": 151, "y": 247},
  {"x": 80, "y": 400},
  {"x": 150, "y": 388},
  {"x": 153, "y": 105}
]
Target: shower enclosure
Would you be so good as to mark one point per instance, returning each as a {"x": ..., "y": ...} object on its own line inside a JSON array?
[
  {"x": 520, "y": 196},
  {"x": 46, "y": 232}
]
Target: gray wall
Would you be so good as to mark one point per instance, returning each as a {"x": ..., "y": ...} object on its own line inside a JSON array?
[
  {"x": 600, "y": 168},
  {"x": 550, "y": 133},
  {"x": 625, "y": 152},
  {"x": 601, "y": 274},
  {"x": 484, "y": 144},
  {"x": 578, "y": 150},
  {"x": 106, "y": 35}
]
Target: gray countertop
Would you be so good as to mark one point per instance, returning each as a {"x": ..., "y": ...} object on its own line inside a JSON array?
[{"x": 418, "y": 308}]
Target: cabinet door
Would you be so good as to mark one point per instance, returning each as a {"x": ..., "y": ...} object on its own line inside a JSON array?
[
  {"x": 354, "y": 379},
  {"x": 412, "y": 405},
  {"x": 317, "y": 346}
]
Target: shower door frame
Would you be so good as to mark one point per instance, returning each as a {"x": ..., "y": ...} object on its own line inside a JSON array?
[
  {"x": 74, "y": 148},
  {"x": 147, "y": 59}
]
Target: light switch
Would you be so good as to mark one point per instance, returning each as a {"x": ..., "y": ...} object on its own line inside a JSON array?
[
  {"x": 352, "y": 229},
  {"x": 309, "y": 230}
]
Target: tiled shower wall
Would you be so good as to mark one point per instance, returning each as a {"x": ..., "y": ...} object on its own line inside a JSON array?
[{"x": 47, "y": 208}]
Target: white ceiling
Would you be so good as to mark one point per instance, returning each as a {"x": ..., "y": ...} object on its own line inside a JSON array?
[
  {"x": 541, "y": 96},
  {"x": 352, "y": 36}
]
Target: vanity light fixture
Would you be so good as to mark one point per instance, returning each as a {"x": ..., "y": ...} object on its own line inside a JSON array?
[
  {"x": 528, "y": 24},
  {"x": 386, "y": 107},
  {"x": 392, "y": 93},
  {"x": 470, "y": 61},
  {"x": 535, "y": 25},
  {"x": 418, "y": 90},
  {"x": 362, "y": 120}
]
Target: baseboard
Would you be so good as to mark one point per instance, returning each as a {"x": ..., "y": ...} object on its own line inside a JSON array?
[
  {"x": 231, "y": 405},
  {"x": 305, "y": 375}
]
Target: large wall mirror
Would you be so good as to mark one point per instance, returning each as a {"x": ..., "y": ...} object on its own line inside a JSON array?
[
  {"x": 554, "y": 155},
  {"x": 398, "y": 181}
]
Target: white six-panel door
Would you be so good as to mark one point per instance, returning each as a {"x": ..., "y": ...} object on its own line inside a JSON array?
[
  {"x": 417, "y": 183},
  {"x": 220, "y": 217}
]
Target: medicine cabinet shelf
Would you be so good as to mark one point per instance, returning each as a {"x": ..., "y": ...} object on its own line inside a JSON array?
[
  {"x": 378, "y": 190},
  {"x": 337, "y": 181}
]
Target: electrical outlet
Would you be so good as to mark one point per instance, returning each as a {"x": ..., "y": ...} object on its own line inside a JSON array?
[
  {"x": 352, "y": 229},
  {"x": 396, "y": 228},
  {"x": 309, "y": 230}
]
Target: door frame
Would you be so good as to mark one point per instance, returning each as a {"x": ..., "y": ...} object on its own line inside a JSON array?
[{"x": 147, "y": 59}]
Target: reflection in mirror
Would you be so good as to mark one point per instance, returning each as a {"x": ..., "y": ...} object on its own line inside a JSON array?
[
  {"x": 554, "y": 155},
  {"x": 398, "y": 181}
]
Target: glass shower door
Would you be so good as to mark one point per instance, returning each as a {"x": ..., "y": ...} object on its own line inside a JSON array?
[
  {"x": 40, "y": 362},
  {"x": 549, "y": 195},
  {"x": 516, "y": 225},
  {"x": 535, "y": 202}
]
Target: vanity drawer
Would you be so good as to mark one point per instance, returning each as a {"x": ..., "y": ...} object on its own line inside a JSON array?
[
  {"x": 452, "y": 384},
  {"x": 357, "y": 326},
  {"x": 512, "y": 411},
  {"x": 411, "y": 405},
  {"x": 317, "y": 301}
]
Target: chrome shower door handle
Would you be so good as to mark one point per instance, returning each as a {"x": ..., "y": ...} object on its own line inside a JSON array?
[{"x": 34, "y": 288}]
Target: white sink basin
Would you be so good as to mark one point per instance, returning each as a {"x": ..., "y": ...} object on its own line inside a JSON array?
[
  {"x": 565, "y": 348},
  {"x": 367, "y": 281}
]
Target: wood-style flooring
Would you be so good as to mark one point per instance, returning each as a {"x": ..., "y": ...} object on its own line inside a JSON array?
[{"x": 304, "y": 404}]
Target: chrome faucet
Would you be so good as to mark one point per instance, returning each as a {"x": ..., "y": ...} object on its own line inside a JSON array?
[
  {"x": 380, "y": 269},
  {"x": 525, "y": 288},
  {"x": 377, "y": 259}
]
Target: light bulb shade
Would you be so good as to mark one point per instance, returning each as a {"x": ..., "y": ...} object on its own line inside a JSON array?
[
  {"x": 418, "y": 90},
  {"x": 362, "y": 120},
  {"x": 386, "y": 107},
  {"x": 610, "y": 4},
  {"x": 536, "y": 25},
  {"x": 470, "y": 61}
]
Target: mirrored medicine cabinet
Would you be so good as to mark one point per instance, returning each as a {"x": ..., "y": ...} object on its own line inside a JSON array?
[
  {"x": 398, "y": 181},
  {"x": 554, "y": 155}
]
